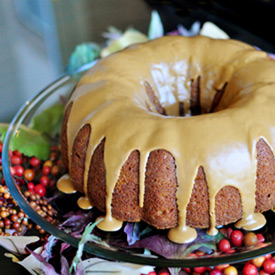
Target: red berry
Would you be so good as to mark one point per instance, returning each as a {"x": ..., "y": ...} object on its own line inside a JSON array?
[
  {"x": 250, "y": 269},
  {"x": 7, "y": 222},
  {"x": 34, "y": 161},
  {"x": 51, "y": 183},
  {"x": 187, "y": 269},
  {"x": 16, "y": 225},
  {"x": 261, "y": 238},
  {"x": 229, "y": 232},
  {"x": 163, "y": 272},
  {"x": 268, "y": 256},
  {"x": 224, "y": 245},
  {"x": 262, "y": 272},
  {"x": 14, "y": 218},
  {"x": 236, "y": 238},
  {"x": 30, "y": 186},
  {"x": 19, "y": 170},
  {"x": 16, "y": 160},
  {"x": 222, "y": 266},
  {"x": 29, "y": 174},
  {"x": 269, "y": 265},
  {"x": 17, "y": 153},
  {"x": 215, "y": 271},
  {"x": 40, "y": 190},
  {"x": 200, "y": 269},
  {"x": 44, "y": 180},
  {"x": 230, "y": 251},
  {"x": 200, "y": 253},
  {"x": 192, "y": 255},
  {"x": 250, "y": 239},
  {"x": 1, "y": 147},
  {"x": 258, "y": 261},
  {"x": 46, "y": 170}
]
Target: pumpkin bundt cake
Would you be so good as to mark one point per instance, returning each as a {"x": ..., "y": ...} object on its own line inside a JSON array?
[{"x": 178, "y": 132}]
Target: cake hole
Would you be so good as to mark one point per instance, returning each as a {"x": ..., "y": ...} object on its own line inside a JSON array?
[
  {"x": 217, "y": 98},
  {"x": 181, "y": 108},
  {"x": 153, "y": 98},
  {"x": 195, "y": 106},
  {"x": 191, "y": 106}
]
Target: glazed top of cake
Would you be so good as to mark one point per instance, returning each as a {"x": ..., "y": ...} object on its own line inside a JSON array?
[{"x": 111, "y": 97}]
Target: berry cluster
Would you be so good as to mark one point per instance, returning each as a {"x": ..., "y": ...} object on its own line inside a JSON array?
[
  {"x": 262, "y": 265},
  {"x": 35, "y": 178},
  {"x": 42, "y": 207},
  {"x": 12, "y": 220},
  {"x": 39, "y": 176},
  {"x": 234, "y": 239}
]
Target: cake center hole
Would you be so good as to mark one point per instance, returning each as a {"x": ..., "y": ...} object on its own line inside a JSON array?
[{"x": 183, "y": 109}]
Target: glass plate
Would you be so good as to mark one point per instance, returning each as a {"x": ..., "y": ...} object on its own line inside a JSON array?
[{"x": 62, "y": 88}]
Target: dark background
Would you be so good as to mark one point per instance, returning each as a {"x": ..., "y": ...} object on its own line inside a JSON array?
[{"x": 252, "y": 21}]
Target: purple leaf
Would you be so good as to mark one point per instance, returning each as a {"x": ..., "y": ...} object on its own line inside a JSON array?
[
  {"x": 76, "y": 221},
  {"x": 47, "y": 251},
  {"x": 65, "y": 269},
  {"x": 161, "y": 245},
  {"x": 64, "y": 246},
  {"x": 79, "y": 270},
  {"x": 135, "y": 231},
  {"x": 47, "y": 267},
  {"x": 132, "y": 231}
]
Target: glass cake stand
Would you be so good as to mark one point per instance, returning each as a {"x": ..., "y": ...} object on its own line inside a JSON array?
[{"x": 62, "y": 88}]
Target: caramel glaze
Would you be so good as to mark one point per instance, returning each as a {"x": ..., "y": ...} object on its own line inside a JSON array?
[{"x": 112, "y": 99}]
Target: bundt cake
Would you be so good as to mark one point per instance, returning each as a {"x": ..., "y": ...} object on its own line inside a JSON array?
[{"x": 178, "y": 132}]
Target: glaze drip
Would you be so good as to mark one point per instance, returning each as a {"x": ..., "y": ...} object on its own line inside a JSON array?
[
  {"x": 65, "y": 185},
  {"x": 135, "y": 105}
]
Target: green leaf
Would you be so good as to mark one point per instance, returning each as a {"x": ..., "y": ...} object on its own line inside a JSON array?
[
  {"x": 155, "y": 28},
  {"x": 86, "y": 237},
  {"x": 27, "y": 141},
  {"x": 216, "y": 238},
  {"x": 49, "y": 121}
]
